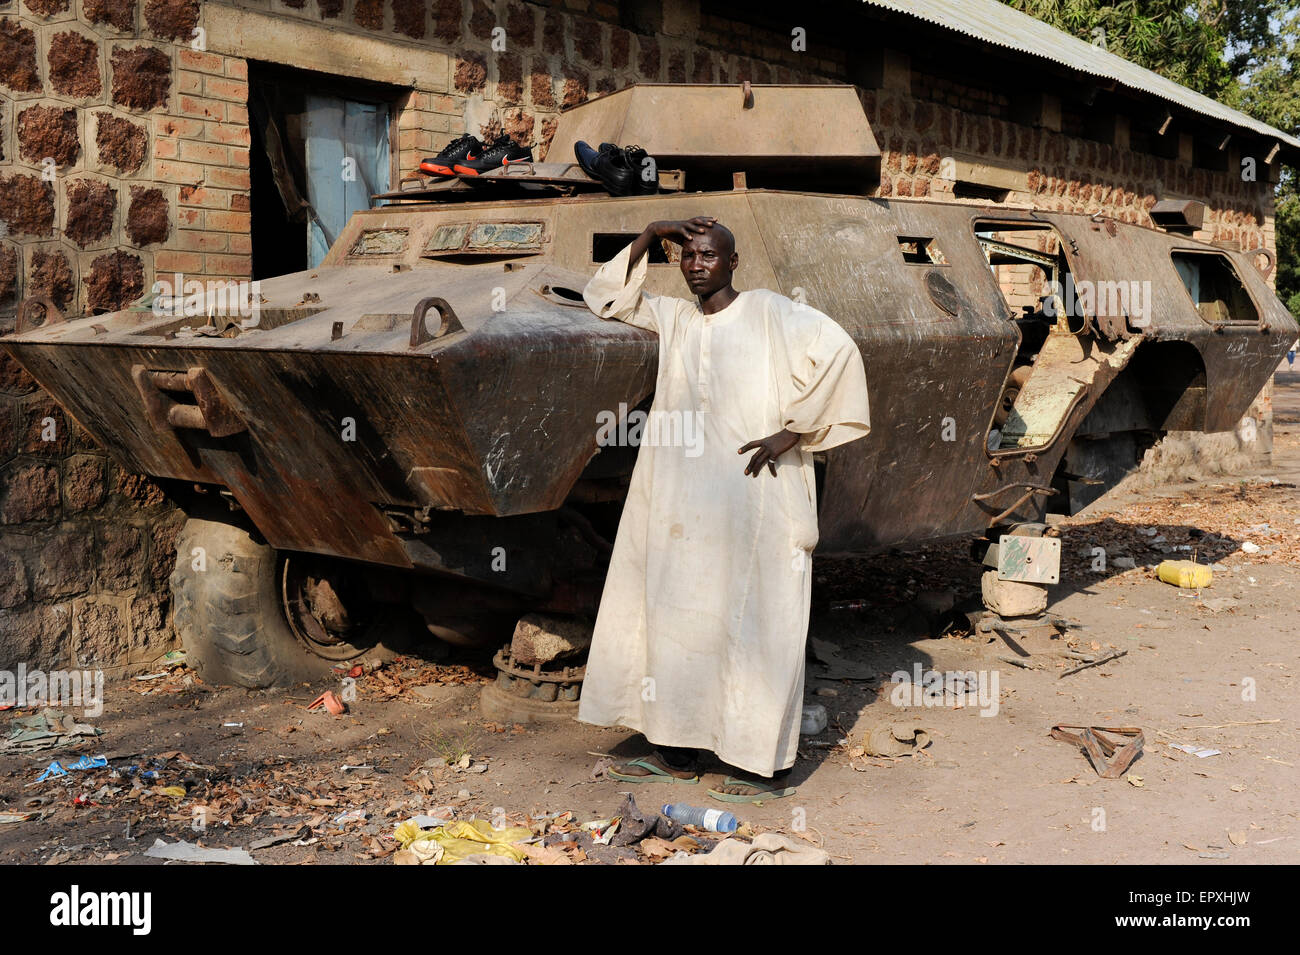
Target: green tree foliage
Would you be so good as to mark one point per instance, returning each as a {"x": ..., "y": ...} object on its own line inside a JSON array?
[
  {"x": 1172, "y": 37},
  {"x": 1244, "y": 53}
]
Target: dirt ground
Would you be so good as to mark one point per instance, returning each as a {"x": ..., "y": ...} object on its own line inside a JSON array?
[{"x": 1215, "y": 669}]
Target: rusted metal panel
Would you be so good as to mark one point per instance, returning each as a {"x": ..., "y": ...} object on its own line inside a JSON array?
[
  {"x": 725, "y": 122},
  {"x": 348, "y": 416}
]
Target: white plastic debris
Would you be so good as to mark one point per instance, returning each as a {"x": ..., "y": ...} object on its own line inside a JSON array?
[
  {"x": 814, "y": 720},
  {"x": 1198, "y": 751},
  {"x": 1249, "y": 547},
  {"x": 189, "y": 852}
]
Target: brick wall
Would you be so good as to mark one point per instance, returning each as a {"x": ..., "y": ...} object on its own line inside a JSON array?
[{"x": 148, "y": 145}]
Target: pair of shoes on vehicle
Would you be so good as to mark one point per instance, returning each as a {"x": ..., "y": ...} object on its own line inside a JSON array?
[
  {"x": 469, "y": 156},
  {"x": 623, "y": 171}
]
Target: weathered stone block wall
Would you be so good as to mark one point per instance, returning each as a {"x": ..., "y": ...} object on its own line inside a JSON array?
[
  {"x": 85, "y": 548},
  {"x": 125, "y": 152}
]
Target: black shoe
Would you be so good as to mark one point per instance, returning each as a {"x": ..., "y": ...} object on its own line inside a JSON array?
[
  {"x": 624, "y": 172},
  {"x": 504, "y": 152},
  {"x": 609, "y": 167},
  {"x": 458, "y": 150},
  {"x": 645, "y": 170}
]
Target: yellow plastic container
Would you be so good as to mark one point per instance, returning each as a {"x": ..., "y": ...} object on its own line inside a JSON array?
[{"x": 1185, "y": 573}]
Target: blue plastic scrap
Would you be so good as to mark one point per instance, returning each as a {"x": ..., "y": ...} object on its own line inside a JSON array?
[
  {"x": 89, "y": 762},
  {"x": 57, "y": 769}
]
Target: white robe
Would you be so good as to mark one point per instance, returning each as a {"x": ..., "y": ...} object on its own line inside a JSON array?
[{"x": 699, "y": 640}]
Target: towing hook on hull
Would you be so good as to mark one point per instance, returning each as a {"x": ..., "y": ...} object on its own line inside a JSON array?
[
  {"x": 420, "y": 334},
  {"x": 32, "y": 304}
]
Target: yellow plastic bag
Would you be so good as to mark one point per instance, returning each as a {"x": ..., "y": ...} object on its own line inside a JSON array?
[
  {"x": 465, "y": 838},
  {"x": 1185, "y": 573}
]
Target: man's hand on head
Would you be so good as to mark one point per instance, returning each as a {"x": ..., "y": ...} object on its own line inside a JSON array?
[
  {"x": 681, "y": 230},
  {"x": 674, "y": 230},
  {"x": 768, "y": 450}
]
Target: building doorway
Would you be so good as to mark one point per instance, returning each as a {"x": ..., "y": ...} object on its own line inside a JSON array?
[{"x": 320, "y": 150}]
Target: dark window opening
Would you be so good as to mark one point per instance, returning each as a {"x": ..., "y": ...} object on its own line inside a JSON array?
[
  {"x": 921, "y": 251},
  {"x": 973, "y": 190},
  {"x": 1099, "y": 126},
  {"x": 1215, "y": 288},
  {"x": 641, "y": 16},
  {"x": 1150, "y": 141},
  {"x": 1207, "y": 155},
  {"x": 607, "y": 245}
]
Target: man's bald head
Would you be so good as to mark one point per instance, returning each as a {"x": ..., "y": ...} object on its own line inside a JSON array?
[
  {"x": 719, "y": 238},
  {"x": 708, "y": 259}
]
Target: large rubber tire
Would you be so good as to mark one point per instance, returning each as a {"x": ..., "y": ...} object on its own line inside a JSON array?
[{"x": 230, "y": 616}]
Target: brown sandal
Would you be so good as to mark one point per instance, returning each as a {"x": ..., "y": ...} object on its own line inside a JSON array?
[{"x": 656, "y": 769}]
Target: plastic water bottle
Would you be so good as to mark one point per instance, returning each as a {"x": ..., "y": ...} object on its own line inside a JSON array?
[{"x": 711, "y": 820}]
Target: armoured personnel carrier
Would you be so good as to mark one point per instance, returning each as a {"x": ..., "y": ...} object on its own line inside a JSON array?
[{"x": 416, "y": 424}]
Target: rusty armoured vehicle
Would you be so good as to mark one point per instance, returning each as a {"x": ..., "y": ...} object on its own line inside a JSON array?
[{"x": 411, "y": 429}]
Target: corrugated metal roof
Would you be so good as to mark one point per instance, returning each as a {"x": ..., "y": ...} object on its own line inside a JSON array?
[{"x": 995, "y": 22}]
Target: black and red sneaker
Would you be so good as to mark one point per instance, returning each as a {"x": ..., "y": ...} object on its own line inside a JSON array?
[
  {"x": 458, "y": 150},
  {"x": 504, "y": 152}
]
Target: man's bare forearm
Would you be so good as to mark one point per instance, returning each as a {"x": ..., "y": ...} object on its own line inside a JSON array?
[{"x": 640, "y": 246}]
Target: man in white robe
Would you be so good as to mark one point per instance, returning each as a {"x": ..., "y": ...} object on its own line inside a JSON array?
[{"x": 699, "y": 639}]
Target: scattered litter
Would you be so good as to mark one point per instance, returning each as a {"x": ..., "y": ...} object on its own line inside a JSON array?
[
  {"x": 53, "y": 771},
  {"x": 1213, "y": 855},
  {"x": 1133, "y": 780},
  {"x": 236, "y": 725},
  {"x": 1249, "y": 547},
  {"x": 850, "y": 604},
  {"x": 345, "y": 768},
  {"x": 710, "y": 820},
  {"x": 771, "y": 848},
  {"x": 89, "y": 762},
  {"x": 814, "y": 720},
  {"x": 635, "y": 825},
  {"x": 8, "y": 817},
  {"x": 1237, "y": 838},
  {"x": 1098, "y": 661},
  {"x": 1186, "y": 574},
  {"x": 432, "y": 822},
  {"x": 287, "y": 836},
  {"x": 837, "y": 667},
  {"x": 458, "y": 840},
  {"x": 420, "y": 852},
  {"x": 1197, "y": 751},
  {"x": 329, "y": 699},
  {"x": 895, "y": 739},
  {"x": 1109, "y": 759},
  {"x": 602, "y": 830},
  {"x": 352, "y": 815},
  {"x": 183, "y": 851},
  {"x": 173, "y": 658},
  {"x": 47, "y": 729}
]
